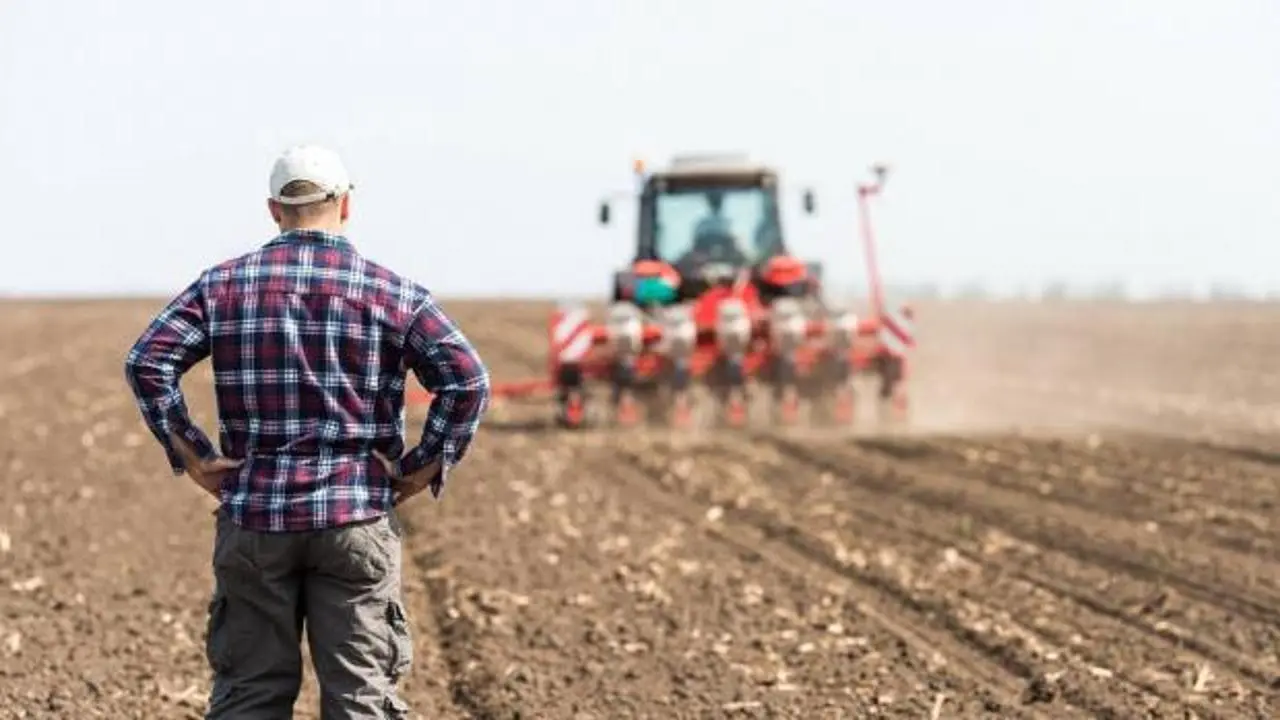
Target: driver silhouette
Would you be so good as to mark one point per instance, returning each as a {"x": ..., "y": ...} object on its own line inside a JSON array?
[
  {"x": 714, "y": 223},
  {"x": 713, "y": 235}
]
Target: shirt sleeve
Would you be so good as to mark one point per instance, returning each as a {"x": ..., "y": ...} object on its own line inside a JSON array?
[
  {"x": 448, "y": 366},
  {"x": 174, "y": 341}
]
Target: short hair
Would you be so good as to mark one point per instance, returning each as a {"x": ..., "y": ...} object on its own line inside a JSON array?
[{"x": 299, "y": 188}]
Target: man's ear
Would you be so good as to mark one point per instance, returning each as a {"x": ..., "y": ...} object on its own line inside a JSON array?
[
  {"x": 344, "y": 209},
  {"x": 273, "y": 207}
]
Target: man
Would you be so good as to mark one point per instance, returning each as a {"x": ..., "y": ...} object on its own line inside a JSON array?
[
  {"x": 310, "y": 343},
  {"x": 713, "y": 238}
]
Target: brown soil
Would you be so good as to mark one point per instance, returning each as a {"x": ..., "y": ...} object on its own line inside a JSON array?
[{"x": 1032, "y": 548}]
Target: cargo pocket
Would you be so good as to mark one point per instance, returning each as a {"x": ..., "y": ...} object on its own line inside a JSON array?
[
  {"x": 401, "y": 642},
  {"x": 215, "y": 642}
]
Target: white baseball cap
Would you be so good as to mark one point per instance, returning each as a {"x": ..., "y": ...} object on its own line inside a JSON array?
[{"x": 315, "y": 164}]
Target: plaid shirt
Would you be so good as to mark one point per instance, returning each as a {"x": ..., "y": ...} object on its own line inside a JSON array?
[{"x": 310, "y": 344}]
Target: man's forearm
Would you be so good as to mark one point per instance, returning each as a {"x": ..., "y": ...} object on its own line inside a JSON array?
[
  {"x": 174, "y": 341},
  {"x": 164, "y": 410},
  {"x": 452, "y": 421},
  {"x": 450, "y": 368}
]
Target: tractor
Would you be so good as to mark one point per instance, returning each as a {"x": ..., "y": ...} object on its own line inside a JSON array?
[
  {"x": 714, "y": 321},
  {"x": 715, "y": 312}
]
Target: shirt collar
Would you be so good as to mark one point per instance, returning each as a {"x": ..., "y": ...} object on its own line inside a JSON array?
[{"x": 318, "y": 237}]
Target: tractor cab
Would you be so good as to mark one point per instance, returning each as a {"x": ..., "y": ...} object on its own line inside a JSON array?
[{"x": 705, "y": 220}]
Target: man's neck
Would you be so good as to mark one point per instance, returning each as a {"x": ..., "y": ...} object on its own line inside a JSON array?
[{"x": 331, "y": 229}]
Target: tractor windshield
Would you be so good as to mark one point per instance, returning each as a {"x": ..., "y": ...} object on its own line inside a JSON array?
[{"x": 737, "y": 225}]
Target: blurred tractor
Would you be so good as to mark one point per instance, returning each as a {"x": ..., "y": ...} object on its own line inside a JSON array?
[
  {"x": 715, "y": 322},
  {"x": 715, "y": 313}
]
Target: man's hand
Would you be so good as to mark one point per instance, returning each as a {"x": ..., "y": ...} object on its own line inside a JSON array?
[
  {"x": 410, "y": 485},
  {"x": 208, "y": 474}
]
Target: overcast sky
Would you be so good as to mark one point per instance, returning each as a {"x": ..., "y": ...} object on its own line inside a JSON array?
[{"x": 1029, "y": 139}]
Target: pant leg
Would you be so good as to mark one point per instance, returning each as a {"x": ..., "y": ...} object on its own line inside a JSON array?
[
  {"x": 255, "y": 623},
  {"x": 356, "y": 624}
]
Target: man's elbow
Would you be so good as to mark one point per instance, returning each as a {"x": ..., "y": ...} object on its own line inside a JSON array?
[
  {"x": 482, "y": 385},
  {"x": 475, "y": 372},
  {"x": 480, "y": 389},
  {"x": 141, "y": 370},
  {"x": 133, "y": 367}
]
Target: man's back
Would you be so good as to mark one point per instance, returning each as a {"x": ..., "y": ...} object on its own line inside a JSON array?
[{"x": 310, "y": 343}]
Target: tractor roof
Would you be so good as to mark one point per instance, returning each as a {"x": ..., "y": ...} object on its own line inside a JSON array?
[{"x": 712, "y": 164}]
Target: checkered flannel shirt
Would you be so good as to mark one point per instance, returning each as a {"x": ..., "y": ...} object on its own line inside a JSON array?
[{"x": 310, "y": 344}]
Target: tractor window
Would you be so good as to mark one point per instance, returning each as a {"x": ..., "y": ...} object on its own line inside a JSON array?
[{"x": 710, "y": 218}]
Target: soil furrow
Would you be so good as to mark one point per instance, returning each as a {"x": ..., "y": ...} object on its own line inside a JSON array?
[
  {"x": 582, "y": 607},
  {"x": 1092, "y": 484},
  {"x": 1173, "y": 562},
  {"x": 1148, "y": 469},
  {"x": 908, "y": 688},
  {"x": 472, "y": 683},
  {"x": 901, "y": 614},
  {"x": 1032, "y": 469},
  {"x": 1264, "y": 458},
  {"x": 440, "y": 684},
  {"x": 915, "y": 529},
  {"x": 976, "y": 606},
  {"x": 1136, "y": 602}
]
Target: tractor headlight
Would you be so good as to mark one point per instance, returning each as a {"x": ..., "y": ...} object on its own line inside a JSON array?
[{"x": 624, "y": 327}]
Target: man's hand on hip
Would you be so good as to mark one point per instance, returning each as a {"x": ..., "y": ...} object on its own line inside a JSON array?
[
  {"x": 409, "y": 485},
  {"x": 208, "y": 474}
]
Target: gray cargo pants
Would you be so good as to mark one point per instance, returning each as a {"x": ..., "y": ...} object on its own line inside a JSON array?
[{"x": 344, "y": 583}]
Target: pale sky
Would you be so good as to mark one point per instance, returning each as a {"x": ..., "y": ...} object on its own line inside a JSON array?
[{"x": 1029, "y": 139}]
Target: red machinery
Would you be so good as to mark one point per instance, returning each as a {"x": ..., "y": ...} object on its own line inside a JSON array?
[{"x": 714, "y": 312}]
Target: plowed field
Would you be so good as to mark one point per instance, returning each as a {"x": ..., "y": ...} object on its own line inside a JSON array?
[{"x": 1082, "y": 524}]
